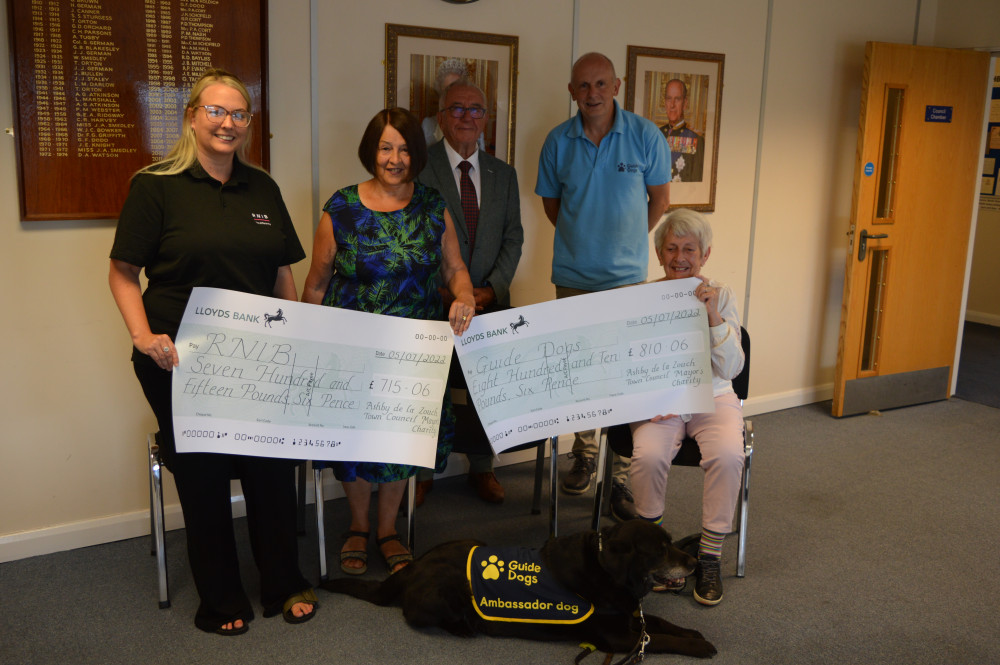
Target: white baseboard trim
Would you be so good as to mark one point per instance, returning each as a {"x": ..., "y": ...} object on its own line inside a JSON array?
[
  {"x": 983, "y": 317},
  {"x": 787, "y": 400},
  {"x": 134, "y": 524}
]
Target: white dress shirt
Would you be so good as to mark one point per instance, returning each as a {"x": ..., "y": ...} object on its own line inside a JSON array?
[{"x": 455, "y": 159}]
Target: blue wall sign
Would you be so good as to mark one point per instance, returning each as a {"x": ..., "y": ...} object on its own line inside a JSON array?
[
  {"x": 938, "y": 114},
  {"x": 869, "y": 168}
]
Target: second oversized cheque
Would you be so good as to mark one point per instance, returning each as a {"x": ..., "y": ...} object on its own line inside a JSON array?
[
  {"x": 589, "y": 361},
  {"x": 277, "y": 378}
]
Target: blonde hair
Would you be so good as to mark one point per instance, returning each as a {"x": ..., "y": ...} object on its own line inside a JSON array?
[{"x": 184, "y": 152}]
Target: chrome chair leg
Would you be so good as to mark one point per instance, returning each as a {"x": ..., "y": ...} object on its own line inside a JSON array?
[
  {"x": 320, "y": 524},
  {"x": 600, "y": 477},
  {"x": 536, "y": 499},
  {"x": 301, "y": 497},
  {"x": 741, "y": 551},
  {"x": 411, "y": 506},
  {"x": 554, "y": 487},
  {"x": 156, "y": 517}
]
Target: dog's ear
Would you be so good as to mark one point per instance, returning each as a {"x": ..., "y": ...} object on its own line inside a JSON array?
[
  {"x": 615, "y": 558},
  {"x": 624, "y": 562}
]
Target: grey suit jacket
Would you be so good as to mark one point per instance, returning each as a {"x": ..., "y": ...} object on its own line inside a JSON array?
[{"x": 499, "y": 235}]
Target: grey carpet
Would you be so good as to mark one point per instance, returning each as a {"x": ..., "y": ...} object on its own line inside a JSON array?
[
  {"x": 872, "y": 539},
  {"x": 979, "y": 365}
]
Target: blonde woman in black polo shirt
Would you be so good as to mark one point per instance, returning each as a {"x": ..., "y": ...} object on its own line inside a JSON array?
[{"x": 194, "y": 219}]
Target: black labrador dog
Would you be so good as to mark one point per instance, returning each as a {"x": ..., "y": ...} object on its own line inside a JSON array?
[{"x": 611, "y": 569}]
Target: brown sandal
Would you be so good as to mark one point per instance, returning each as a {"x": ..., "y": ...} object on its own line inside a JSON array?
[
  {"x": 307, "y": 597},
  {"x": 394, "y": 560},
  {"x": 357, "y": 555}
]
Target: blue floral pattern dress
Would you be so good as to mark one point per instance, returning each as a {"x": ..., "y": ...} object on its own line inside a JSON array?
[{"x": 389, "y": 263}]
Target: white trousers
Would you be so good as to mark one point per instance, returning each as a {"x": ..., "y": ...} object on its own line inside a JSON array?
[{"x": 720, "y": 438}]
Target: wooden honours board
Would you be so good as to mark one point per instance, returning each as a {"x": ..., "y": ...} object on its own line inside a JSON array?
[{"x": 100, "y": 87}]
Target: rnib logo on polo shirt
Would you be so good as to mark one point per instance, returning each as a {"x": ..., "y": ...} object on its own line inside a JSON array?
[
  {"x": 630, "y": 168},
  {"x": 260, "y": 218}
]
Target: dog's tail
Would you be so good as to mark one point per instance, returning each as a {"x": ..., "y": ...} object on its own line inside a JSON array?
[{"x": 378, "y": 593}]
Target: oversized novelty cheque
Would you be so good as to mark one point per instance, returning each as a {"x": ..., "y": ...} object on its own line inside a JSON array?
[
  {"x": 277, "y": 378},
  {"x": 589, "y": 361}
]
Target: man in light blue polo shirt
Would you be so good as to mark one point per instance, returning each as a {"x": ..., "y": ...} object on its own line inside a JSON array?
[{"x": 604, "y": 178}]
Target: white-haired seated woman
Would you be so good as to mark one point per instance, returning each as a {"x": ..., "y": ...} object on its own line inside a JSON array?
[{"x": 683, "y": 243}]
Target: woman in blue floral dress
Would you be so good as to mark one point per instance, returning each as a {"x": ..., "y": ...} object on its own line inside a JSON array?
[{"x": 384, "y": 246}]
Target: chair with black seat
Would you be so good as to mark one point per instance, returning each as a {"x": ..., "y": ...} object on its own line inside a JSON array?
[
  {"x": 157, "y": 527},
  {"x": 619, "y": 439}
]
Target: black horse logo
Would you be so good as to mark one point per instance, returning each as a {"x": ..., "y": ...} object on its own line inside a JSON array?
[
  {"x": 274, "y": 317},
  {"x": 517, "y": 324}
]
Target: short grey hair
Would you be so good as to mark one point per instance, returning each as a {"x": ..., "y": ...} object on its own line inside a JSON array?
[
  {"x": 460, "y": 83},
  {"x": 450, "y": 67},
  {"x": 684, "y": 222},
  {"x": 684, "y": 86}
]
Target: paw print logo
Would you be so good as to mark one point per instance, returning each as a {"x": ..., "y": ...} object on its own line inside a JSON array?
[
  {"x": 621, "y": 166},
  {"x": 492, "y": 568}
]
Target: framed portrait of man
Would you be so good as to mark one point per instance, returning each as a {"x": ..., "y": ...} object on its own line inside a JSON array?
[
  {"x": 421, "y": 62},
  {"x": 681, "y": 92}
]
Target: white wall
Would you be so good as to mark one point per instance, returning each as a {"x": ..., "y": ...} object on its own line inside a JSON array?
[{"x": 72, "y": 452}]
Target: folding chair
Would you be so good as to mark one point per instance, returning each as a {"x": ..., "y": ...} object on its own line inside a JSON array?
[{"x": 619, "y": 438}]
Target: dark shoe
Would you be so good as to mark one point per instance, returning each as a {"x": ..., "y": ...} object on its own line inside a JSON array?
[
  {"x": 423, "y": 488},
  {"x": 622, "y": 504},
  {"x": 487, "y": 486},
  {"x": 708, "y": 586},
  {"x": 577, "y": 481}
]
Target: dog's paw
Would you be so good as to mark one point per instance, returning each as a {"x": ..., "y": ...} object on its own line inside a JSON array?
[
  {"x": 702, "y": 648},
  {"x": 693, "y": 634}
]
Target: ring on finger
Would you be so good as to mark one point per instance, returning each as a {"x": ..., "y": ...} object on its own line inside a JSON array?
[{"x": 166, "y": 349}]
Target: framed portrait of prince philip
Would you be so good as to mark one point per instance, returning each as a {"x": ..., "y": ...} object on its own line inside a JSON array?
[
  {"x": 681, "y": 92},
  {"x": 421, "y": 62}
]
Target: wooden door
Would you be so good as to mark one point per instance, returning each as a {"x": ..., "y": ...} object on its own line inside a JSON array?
[{"x": 915, "y": 182}]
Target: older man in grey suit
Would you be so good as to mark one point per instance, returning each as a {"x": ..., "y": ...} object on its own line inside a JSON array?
[{"x": 481, "y": 194}]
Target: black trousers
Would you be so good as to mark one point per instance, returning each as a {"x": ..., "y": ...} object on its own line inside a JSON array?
[{"x": 203, "y": 486}]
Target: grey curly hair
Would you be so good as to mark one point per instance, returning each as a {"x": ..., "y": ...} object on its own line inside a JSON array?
[{"x": 684, "y": 222}]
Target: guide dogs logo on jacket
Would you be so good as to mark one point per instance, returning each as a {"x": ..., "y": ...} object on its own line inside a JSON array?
[{"x": 511, "y": 584}]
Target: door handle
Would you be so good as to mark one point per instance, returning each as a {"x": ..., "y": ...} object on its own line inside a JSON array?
[{"x": 863, "y": 243}]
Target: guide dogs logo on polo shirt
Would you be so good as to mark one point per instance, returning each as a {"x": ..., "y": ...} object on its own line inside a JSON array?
[{"x": 511, "y": 584}]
